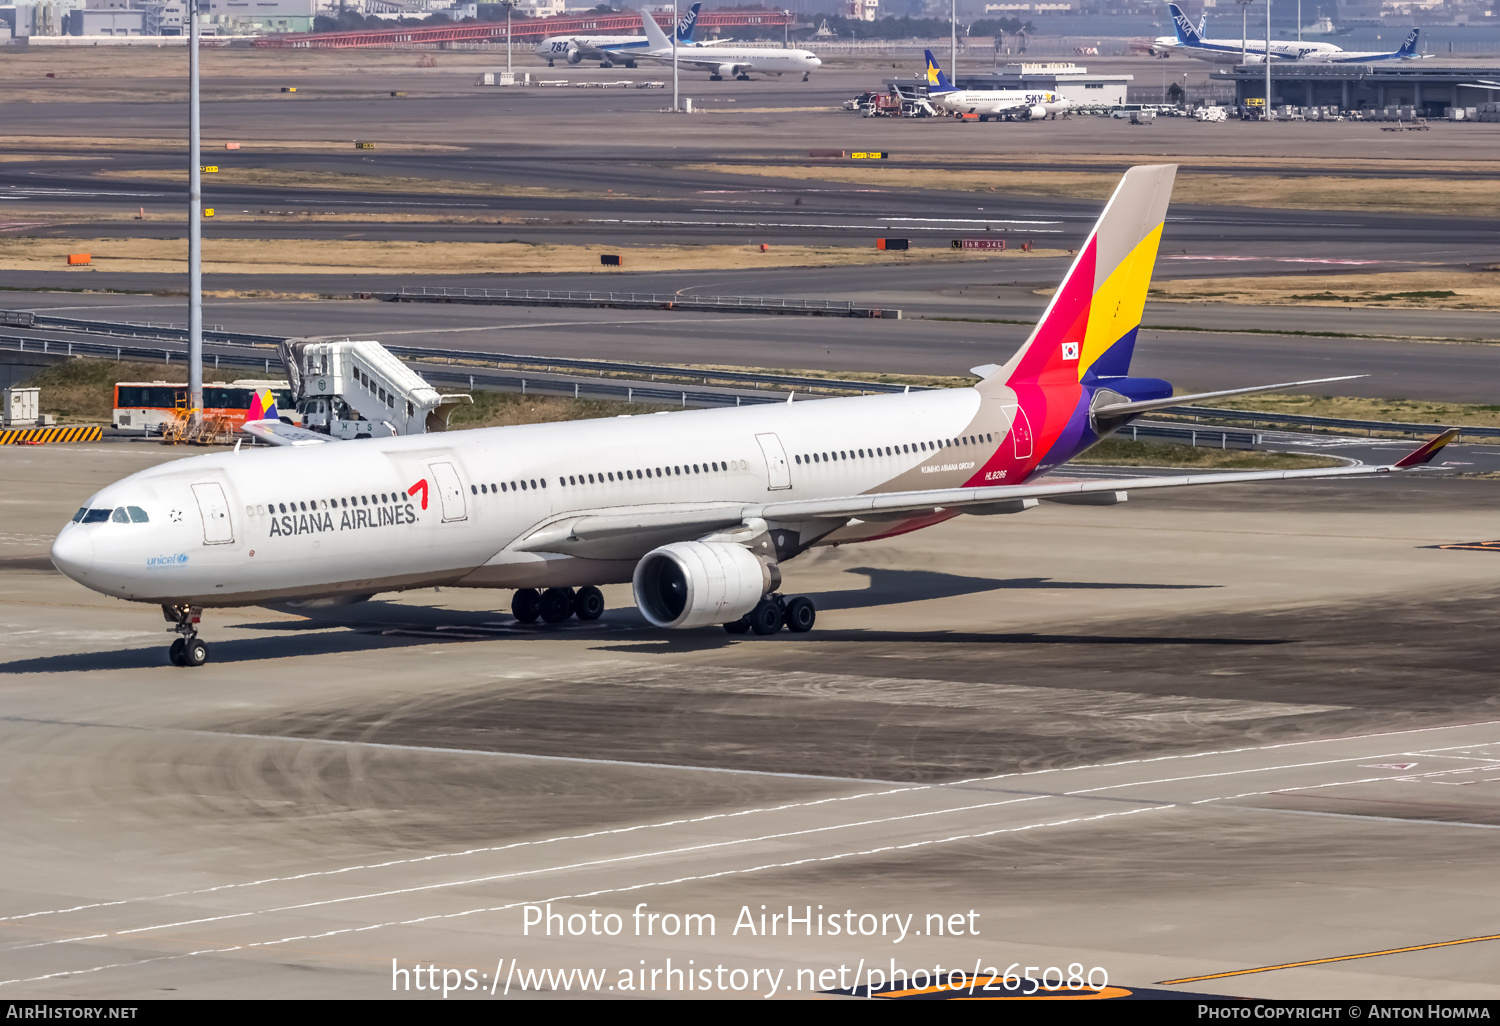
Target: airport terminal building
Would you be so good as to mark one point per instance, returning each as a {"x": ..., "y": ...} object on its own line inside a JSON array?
[{"x": 1358, "y": 86}]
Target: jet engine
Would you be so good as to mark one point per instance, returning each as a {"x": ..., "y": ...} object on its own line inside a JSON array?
[
  {"x": 574, "y": 55},
  {"x": 696, "y": 584},
  {"x": 1254, "y": 58},
  {"x": 1038, "y": 112},
  {"x": 728, "y": 70}
]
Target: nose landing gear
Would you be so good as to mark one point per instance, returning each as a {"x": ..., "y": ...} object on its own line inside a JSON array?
[{"x": 188, "y": 650}]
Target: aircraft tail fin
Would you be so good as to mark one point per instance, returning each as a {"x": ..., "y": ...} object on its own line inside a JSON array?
[
  {"x": 262, "y": 406},
  {"x": 656, "y": 38},
  {"x": 1186, "y": 34},
  {"x": 1088, "y": 330},
  {"x": 687, "y": 23},
  {"x": 937, "y": 82},
  {"x": 1409, "y": 48}
]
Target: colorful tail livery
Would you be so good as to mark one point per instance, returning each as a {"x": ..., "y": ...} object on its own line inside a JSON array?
[
  {"x": 937, "y": 82},
  {"x": 686, "y": 23},
  {"x": 262, "y": 407},
  {"x": 1186, "y": 34},
  {"x": 1078, "y": 356}
]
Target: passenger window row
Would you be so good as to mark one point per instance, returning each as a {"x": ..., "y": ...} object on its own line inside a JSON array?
[
  {"x": 317, "y": 505},
  {"x": 893, "y": 450},
  {"x": 118, "y": 515},
  {"x": 611, "y": 476}
]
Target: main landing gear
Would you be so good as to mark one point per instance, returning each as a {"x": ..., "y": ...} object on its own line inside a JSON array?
[
  {"x": 774, "y": 612},
  {"x": 188, "y": 650},
  {"x": 557, "y": 604}
]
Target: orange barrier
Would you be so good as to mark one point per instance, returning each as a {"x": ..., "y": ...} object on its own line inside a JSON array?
[
  {"x": 78, "y": 259},
  {"x": 44, "y": 436}
]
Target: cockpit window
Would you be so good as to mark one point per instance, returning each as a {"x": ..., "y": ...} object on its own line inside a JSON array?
[
  {"x": 138, "y": 515},
  {"x": 96, "y": 516},
  {"x": 78, "y": 517},
  {"x": 120, "y": 516}
]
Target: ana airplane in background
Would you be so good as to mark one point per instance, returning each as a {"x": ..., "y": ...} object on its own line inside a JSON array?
[
  {"x": 1407, "y": 51},
  {"x": 1021, "y": 104},
  {"x": 1190, "y": 43},
  {"x": 612, "y": 49},
  {"x": 700, "y": 510},
  {"x": 725, "y": 61}
]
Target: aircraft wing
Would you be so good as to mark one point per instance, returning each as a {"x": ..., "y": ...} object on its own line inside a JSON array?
[
  {"x": 277, "y": 433},
  {"x": 656, "y": 526}
]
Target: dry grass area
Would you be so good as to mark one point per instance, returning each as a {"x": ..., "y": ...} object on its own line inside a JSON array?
[
  {"x": 362, "y": 256},
  {"x": 340, "y": 182},
  {"x": 1354, "y": 408},
  {"x": 1120, "y": 453},
  {"x": 503, "y": 409},
  {"x": 81, "y": 391},
  {"x": 1476, "y": 198},
  {"x": 210, "y": 149},
  {"x": 1432, "y": 290}
]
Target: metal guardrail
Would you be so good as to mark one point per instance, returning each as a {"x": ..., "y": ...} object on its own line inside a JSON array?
[
  {"x": 546, "y": 363},
  {"x": 646, "y": 300},
  {"x": 470, "y": 377},
  {"x": 1337, "y": 423},
  {"x": 1206, "y": 438}
]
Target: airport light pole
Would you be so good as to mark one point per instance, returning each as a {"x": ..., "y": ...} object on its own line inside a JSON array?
[
  {"x": 953, "y": 27},
  {"x": 1268, "y": 60},
  {"x": 647, "y": 14},
  {"x": 509, "y": 6},
  {"x": 195, "y": 232},
  {"x": 1244, "y": 30}
]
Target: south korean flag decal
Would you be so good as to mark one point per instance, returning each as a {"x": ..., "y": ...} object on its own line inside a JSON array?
[{"x": 1070, "y": 350}]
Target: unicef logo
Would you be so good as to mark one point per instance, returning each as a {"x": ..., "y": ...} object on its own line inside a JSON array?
[{"x": 177, "y": 559}]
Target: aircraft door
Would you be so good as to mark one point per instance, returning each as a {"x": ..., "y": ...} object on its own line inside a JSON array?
[
  {"x": 218, "y": 529},
  {"x": 778, "y": 471},
  {"x": 450, "y": 492},
  {"x": 1020, "y": 431}
]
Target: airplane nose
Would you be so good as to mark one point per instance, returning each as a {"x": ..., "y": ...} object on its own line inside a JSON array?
[{"x": 73, "y": 552}]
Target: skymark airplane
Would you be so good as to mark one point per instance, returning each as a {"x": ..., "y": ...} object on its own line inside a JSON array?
[
  {"x": 699, "y": 510},
  {"x": 989, "y": 103},
  {"x": 1190, "y": 43},
  {"x": 612, "y": 49},
  {"x": 723, "y": 62}
]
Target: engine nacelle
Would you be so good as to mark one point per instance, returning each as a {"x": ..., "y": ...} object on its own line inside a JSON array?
[
  {"x": 728, "y": 70},
  {"x": 1038, "y": 112},
  {"x": 1254, "y": 58},
  {"x": 696, "y": 584},
  {"x": 574, "y": 55}
]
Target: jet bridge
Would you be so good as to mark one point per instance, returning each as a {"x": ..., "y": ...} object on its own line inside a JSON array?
[{"x": 358, "y": 389}]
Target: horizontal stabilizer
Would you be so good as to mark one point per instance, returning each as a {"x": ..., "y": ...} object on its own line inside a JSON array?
[{"x": 1115, "y": 410}]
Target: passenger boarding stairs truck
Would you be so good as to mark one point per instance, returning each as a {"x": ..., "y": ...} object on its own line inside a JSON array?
[{"x": 350, "y": 389}]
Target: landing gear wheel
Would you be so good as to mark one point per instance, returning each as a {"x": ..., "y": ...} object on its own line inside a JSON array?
[
  {"x": 556, "y": 604},
  {"x": 588, "y": 604},
  {"x": 175, "y": 653},
  {"x": 526, "y": 605},
  {"x": 800, "y": 614},
  {"x": 740, "y": 626},
  {"x": 194, "y": 652},
  {"x": 766, "y": 617}
]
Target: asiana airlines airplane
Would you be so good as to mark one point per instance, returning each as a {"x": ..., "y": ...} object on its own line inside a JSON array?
[{"x": 700, "y": 510}]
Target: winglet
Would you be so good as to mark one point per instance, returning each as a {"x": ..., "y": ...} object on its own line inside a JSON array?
[{"x": 1427, "y": 451}]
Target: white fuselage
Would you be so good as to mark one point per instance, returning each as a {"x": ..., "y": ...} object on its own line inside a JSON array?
[
  {"x": 737, "y": 60},
  {"x": 999, "y": 101},
  {"x": 558, "y": 48},
  {"x": 353, "y": 518},
  {"x": 1237, "y": 51}
]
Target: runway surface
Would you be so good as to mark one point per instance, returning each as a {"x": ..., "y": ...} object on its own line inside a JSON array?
[{"x": 1195, "y": 734}]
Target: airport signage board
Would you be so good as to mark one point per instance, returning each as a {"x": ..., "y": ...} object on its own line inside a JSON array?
[{"x": 978, "y": 244}]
